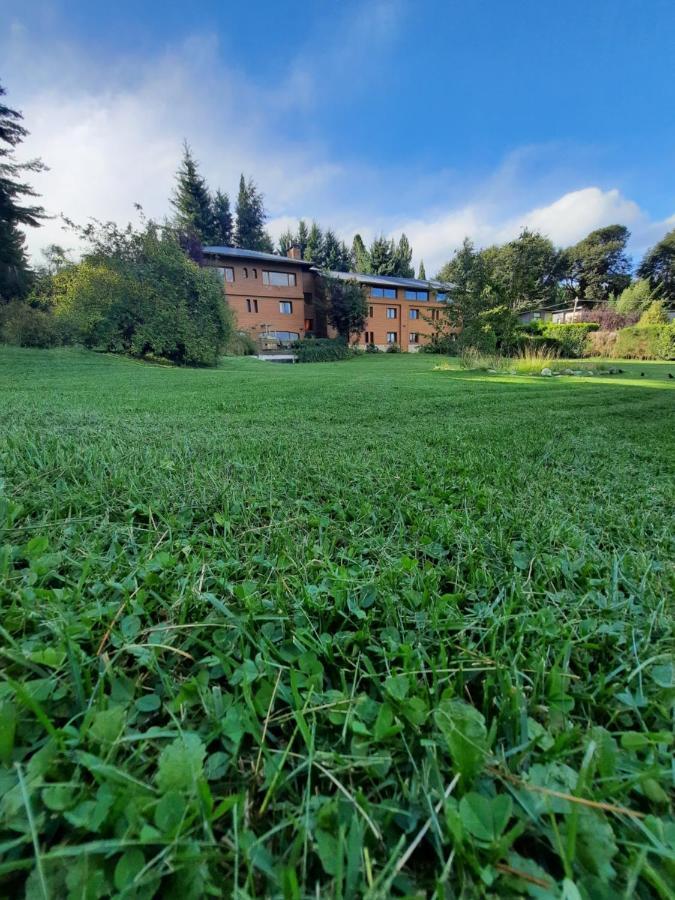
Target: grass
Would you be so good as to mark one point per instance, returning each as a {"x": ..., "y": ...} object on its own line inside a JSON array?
[{"x": 358, "y": 629}]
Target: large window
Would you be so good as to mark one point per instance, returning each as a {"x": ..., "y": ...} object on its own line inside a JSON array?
[
  {"x": 391, "y": 312},
  {"x": 414, "y": 337},
  {"x": 285, "y": 307},
  {"x": 279, "y": 279},
  {"x": 225, "y": 273},
  {"x": 287, "y": 336},
  {"x": 391, "y": 337},
  {"x": 389, "y": 293},
  {"x": 414, "y": 313},
  {"x": 417, "y": 295}
]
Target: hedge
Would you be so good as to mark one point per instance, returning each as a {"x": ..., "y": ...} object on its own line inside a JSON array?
[
  {"x": 570, "y": 337},
  {"x": 646, "y": 342},
  {"x": 321, "y": 350}
]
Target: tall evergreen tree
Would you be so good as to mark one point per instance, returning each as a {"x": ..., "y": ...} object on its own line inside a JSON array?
[
  {"x": 360, "y": 255},
  {"x": 15, "y": 211},
  {"x": 301, "y": 237},
  {"x": 422, "y": 275},
  {"x": 285, "y": 242},
  {"x": 333, "y": 251},
  {"x": 403, "y": 258},
  {"x": 383, "y": 257},
  {"x": 192, "y": 201},
  {"x": 222, "y": 220},
  {"x": 250, "y": 233},
  {"x": 314, "y": 250}
]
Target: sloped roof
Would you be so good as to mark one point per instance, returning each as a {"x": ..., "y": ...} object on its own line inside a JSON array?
[
  {"x": 391, "y": 281},
  {"x": 239, "y": 253}
]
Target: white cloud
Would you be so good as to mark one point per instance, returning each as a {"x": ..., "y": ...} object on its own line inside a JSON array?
[{"x": 112, "y": 137}]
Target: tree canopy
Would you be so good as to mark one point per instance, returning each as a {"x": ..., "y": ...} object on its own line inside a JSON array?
[
  {"x": 598, "y": 268},
  {"x": 191, "y": 200},
  {"x": 347, "y": 306},
  {"x": 250, "y": 231},
  {"x": 658, "y": 267}
]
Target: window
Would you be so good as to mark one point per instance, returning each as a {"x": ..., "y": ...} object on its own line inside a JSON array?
[
  {"x": 279, "y": 279},
  {"x": 287, "y": 336},
  {"x": 225, "y": 273},
  {"x": 414, "y": 337},
  {"x": 391, "y": 312},
  {"x": 370, "y": 312},
  {"x": 389, "y": 293},
  {"x": 245, "y": 272},
  {"x": 252, "y": 306},
  {"x": 417, "y": 295},
  {"x": 309, "y": 324},
  {"x": 435, "y": 313},
  {"x": 414, "y": 313},
  {"x": 391, "y": 337},
  {"x": 369, "y": 337},
  {"x": 441, "y": 296},
  {"x": 285, "y": 307},
  {"x": 255, "y": 273}
]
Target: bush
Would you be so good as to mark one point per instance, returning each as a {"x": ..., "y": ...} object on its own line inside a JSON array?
[
  {"x": 241, "y": 344},
  {"x": 372, "y": 348},
  {"x": 646, "y": 342},
  {"x": 601, "y": 343},
  {"x": 322, "y": 350},
  {"x": 655, "y": 314},
  {"x": 393, "y": 348},
  {"x": 27, "y": 326},
  {"x": 635, "y": 298},
  {"x": 569, "y": 338},
  {"x": 609, "y": 318},
  {"x": 446, "y": 344}
]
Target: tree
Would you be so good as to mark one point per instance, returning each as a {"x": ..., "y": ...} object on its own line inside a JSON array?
[
  {"x": 301, "y": 237},
  {"x": 383, "y": 257},
  {"x": 222, "y": 220},
  {"x": 403, "y": 259},
  {"x": 285, "y": 242},
  {"x": 655, "y": 314},
  {"x": 422, "y": 275},
  {"x": 194, "y": 215},
  {"x": 16, "y": 210},
  {"x": 635, "y": 298},
  {"x": 347, "y": 306},
  {"x": 658, "y": 266},
  {"x": 314, "y": 249},
  {"x": 336, "y": 255},
  {"x": 597, "y": 267},
  {"x": 360, "y": 255},
  {"x": 526, "y": 269},
  {"x": 250, "y": 231},
  {"x": 473, "y": 292}
]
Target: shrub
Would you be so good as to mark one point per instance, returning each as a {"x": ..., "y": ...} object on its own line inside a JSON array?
[
  {"x": 322, "y": 350},
  {"x": 372, "y": 348},
  {"x": 655, "y": 314},
  {"x": 28, "y": 326},
  {"x": 601, "y": 343},
  {"x": 444, "y": 343},
  {"x": 609, "y": 318},
  {"x": 635, "y": 298},
  {"x": 646, "y": 342},
  {"x": 569, "y": 338},
  {"x": 241, "y": 343},
  {"x": 393, "y": 348}
]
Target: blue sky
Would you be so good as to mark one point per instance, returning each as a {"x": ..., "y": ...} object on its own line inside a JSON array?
[{"x": 441, "y": 118}]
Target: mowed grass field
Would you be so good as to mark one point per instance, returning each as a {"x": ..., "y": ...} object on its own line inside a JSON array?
[{"x": 361, "y": 629}]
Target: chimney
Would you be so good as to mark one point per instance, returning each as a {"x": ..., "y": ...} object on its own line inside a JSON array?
[{"x": 294, "y": 252}]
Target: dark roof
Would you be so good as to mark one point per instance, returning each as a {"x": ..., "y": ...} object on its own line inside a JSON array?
[
  {"x": 238, "y": 253},
  {"x": 391, "y": 281}
]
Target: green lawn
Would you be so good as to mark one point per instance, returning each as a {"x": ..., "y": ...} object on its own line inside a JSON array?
[{"x": 360, "y": 629}]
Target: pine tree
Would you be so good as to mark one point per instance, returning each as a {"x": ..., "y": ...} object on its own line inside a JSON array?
[
  {"x": 422, "y": 275},
  {"x": 383, "y": 257},
  {"x": 333, "y": 254},
  {"x": 314, "y": 251},
  {"x": 285, "y": 242},
  {"x": 192, "y": 201},
  {"x": 403, "y": 258},
  {"x": 360, "y": 255},
  {"x": 222, "y": 220},
  {"x": 250, "y": 233},
  {"x": 14, "y": 212},
  {"x": 301, "y": 237}
]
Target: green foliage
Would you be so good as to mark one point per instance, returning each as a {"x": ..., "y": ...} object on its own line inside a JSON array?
[
  {"x": 223, "y": 231},
  {"x": 635, "y": 298},
  {"x": 347, "y": 308},
  {"x": 137, "y": 293},
  {"x": 382, "y": 255},
  {"x": 597, "y": 268},
  {"x": 646, "y": 342},
  {"x": 16, "y": 207},
  {"x": 422, "y": 274},
  {"x": 655, "y": 314},
  {"x": 250, "y": 231},
  {"x": 28, "y": 326},
  {"x": 658, "y": 267},
  {"x": 192, "y": 201},
  {"x": 314, "y": 248},
  {"x": 403, "y": 258},
  {"x": 312, "y": 350},
  {"x": 229, "y": 670},
  {"x": 393, "y": 348},
  {"x": 569, "y": 338},
  {"x": 241, "y": 343},
  {"x": 525, "y": 270},
  {"x": 491, "y": 330},
  {"x": 336, "y": 255},
  {"x": 360, "y": 255}
]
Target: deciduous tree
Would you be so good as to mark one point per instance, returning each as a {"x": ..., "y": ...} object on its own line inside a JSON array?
[
  {"x": 597, "y": 268},
  {"x": 658, "y": 266},
  {"x": 346, "y": 305}
]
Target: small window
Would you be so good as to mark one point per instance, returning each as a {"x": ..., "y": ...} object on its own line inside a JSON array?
[
  {"x": 391, "y": 312},
  {"x": 252, "y": 306},
  {"x": 417, "y": 295},
  {"x": 285, "y": 307},
  {"x": 245, "y": 272},
  {"x": 370, "y": 312},
  {"x": 279, "y": 279},
  {"x": 391, "y": 337},
  {"x": 414, "y": 337},
  {"x": 414, "y": 313},
  {"x": 389, "y": 293},
  {"x": 255, "y": 273}
]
